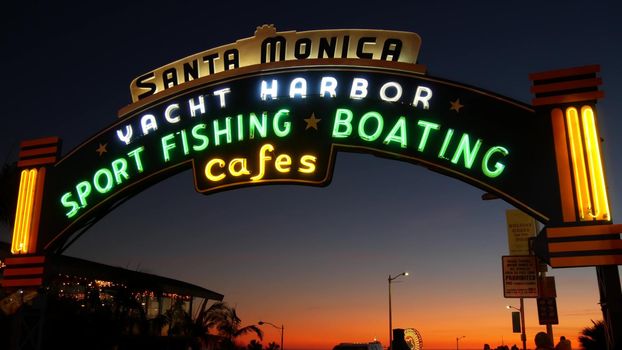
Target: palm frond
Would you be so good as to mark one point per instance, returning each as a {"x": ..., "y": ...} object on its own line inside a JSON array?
[
  {"x": 593, "y": 338},
  {"x": 249, "y": 329}
]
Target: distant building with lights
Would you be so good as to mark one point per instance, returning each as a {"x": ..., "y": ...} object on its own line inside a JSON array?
[{"x": 140, "y": 304}]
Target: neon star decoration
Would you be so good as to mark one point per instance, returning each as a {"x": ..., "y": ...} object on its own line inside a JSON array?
[
  {"x": 312, "y": 122},
  {"x": 101, "y": 149},
  {"x": 456, "y": 106}
]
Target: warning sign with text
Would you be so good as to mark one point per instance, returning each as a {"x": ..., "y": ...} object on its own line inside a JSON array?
[
  {"x": 520, "y": 274},
  {"x": 521, "y": 227}
]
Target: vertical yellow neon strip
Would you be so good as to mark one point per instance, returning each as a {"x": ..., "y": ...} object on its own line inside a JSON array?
[
  {"x": 595, "y": 166},
  {"x": 36, "y": 211},
  {"x": 30, "y": 196},
  {"x": 17, "y": 226},
  {"x": 23, "y": 215},
  {"x": 578, "y": 164}
]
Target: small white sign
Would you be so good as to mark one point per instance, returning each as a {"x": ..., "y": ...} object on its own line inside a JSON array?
[{"x": 520, "y": 276}]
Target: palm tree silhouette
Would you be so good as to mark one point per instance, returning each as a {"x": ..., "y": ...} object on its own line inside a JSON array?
[
  {"x": 218, "y": 326},
  {"x": 230, "y": 328},
  {"x": 272, "y": 346},
  {"x": 254, "y": 345},
  {"x": 593, "y": 338}
]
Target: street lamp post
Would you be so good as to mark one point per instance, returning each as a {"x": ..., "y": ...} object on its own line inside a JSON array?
[
  {"x": 457, "y": 340},
  {"x": 523, "y": 335},
  {"x": 390, "y": 311},
  {"x": 282, "y": 328}
]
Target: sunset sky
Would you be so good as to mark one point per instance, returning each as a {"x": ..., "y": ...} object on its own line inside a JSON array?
[{"x": 316, "y": 259}]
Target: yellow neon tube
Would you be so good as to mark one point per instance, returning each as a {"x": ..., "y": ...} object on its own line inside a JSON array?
[
  {"x": 26, "y": 216},
  {"x": 23, "y": 215},
  {"x": 578, "y": 164},
  {"x": 17, "y": 227},
  {"x": 32, "y": 185},
  {"x": 595, "y": 166},
  {"x": 22, "y": 218}
]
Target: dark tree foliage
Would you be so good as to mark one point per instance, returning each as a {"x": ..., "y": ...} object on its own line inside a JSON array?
[
  {"x": 218, "y": 326},
  {"x": 593, "y": 337},
  {"x": 254, "y": 345},
  {"x": 272, "y": 346}
]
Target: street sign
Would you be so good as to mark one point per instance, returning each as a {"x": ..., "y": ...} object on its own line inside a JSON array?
[
  {"x": 515, "y": 322},
  {"x": 520, "y": 276},
  {"x": 547, "y": 311},
  {"x": 546, "y": 287},
  {"x": 521, "y": 227}
]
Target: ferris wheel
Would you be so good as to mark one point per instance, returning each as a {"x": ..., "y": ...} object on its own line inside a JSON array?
[{"x": 413, "y": 339}]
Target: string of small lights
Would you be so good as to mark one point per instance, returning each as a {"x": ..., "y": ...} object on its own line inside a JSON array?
[{"x": 108, "y": 293}]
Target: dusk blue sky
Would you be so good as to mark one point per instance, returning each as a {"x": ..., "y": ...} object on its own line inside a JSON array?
[{"x": 316, "y": 259}]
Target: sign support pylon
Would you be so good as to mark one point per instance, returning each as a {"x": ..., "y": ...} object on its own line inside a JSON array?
[{"x": 586, "y": 235}]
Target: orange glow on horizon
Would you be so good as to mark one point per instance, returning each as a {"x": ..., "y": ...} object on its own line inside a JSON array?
[{"x": 477, "y": 320}]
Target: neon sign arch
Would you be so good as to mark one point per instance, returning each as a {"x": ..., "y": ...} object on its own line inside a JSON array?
[
  {"x": 281, "y": 105},
  {"x": 288, "y": 125},
  {"x": 276, "y": 108}
]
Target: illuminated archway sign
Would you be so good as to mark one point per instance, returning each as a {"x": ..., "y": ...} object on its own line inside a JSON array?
[
  {"x": 276, "y": 108},
  {"x": 286, "y": 126}
]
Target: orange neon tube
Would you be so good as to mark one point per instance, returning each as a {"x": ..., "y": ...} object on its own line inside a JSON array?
[{"x": 24, "y": 212}]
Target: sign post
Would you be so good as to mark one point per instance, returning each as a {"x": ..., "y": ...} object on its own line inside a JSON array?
[
  {"x": 521, "y": 228},
  {"x": 587, "y": 237},
  {"x": 520, "y": 280},
  {"x": 523, "y": 335}
]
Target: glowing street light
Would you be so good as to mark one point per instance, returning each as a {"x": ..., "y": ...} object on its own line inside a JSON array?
[
  {"x": 390, "y": 312},
  {"x": 457, "y": 340},
  {"x": 282, "y": 328},
  {"x": 523, "y": 335}
]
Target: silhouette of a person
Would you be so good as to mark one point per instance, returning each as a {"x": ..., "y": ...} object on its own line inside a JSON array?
[
  {"x": 543, "y": 341},
  {"x": 564, "y": 344}
]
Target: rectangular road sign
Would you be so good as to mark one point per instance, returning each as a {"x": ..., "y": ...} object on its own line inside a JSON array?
[
  {"x": 547, "y": 311},
  {"x": 546, "y": 287},
  {"x": 520, "y": 276},
  {"x": 521, "y": 227}
]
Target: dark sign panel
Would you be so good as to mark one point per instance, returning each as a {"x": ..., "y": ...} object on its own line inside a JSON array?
[
  {"x": 286, "y": 127},
  {"x": 516, "y": 322},
  {"x": 547, "y": 311}
]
